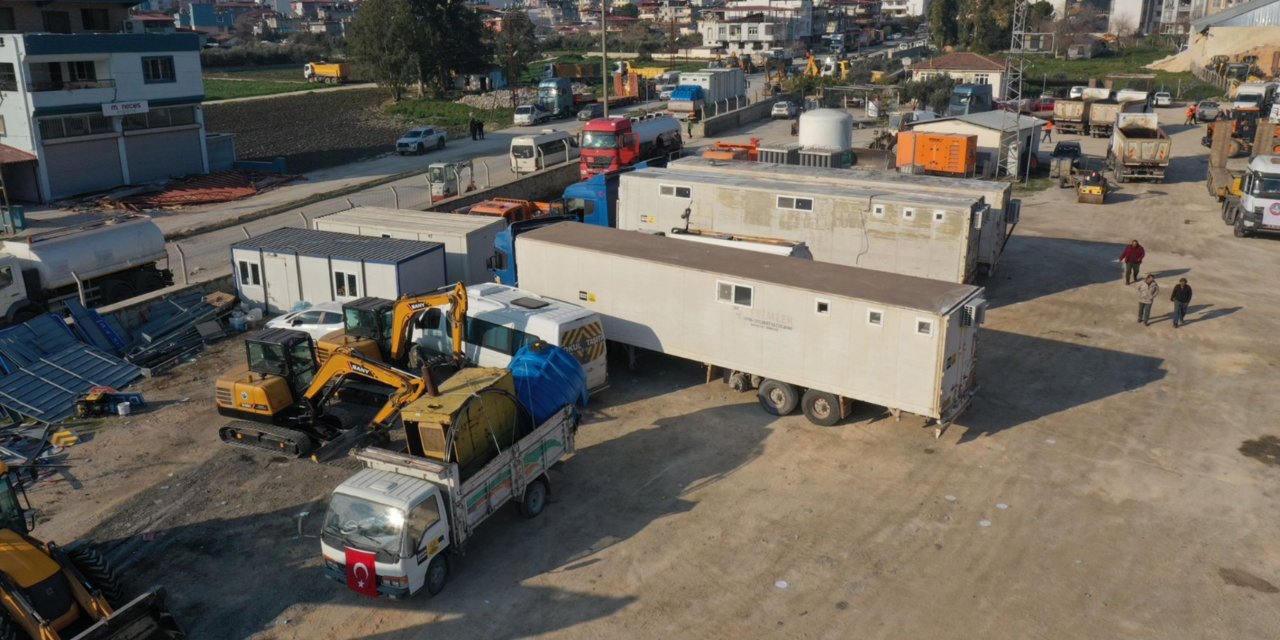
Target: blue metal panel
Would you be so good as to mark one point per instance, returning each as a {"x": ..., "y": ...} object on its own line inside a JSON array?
[
  {"x": 41, "y": 44},
  {"x": 46, "y": 390},
  {"x": 26, "y": 343}
]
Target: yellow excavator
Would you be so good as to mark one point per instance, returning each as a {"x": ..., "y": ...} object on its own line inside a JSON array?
[
  {"x": 381, "y": 328},
  {"x": 48, "y": 592},
  {"x": 285, "y": 402}
]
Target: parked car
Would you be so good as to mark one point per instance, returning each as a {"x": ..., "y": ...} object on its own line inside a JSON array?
[
  {"x": 1163, "y": 99},
  {"x": 1208, "y": 111},
  {"x": 591, "y": 111},
  {"x": 317, "y": 321},
  {"x": 420, "y": 139},
  {"x": 1077, "y": 92},
  {"x": 531, "y": 114},
  {"x": 784, "y": 109},
  {"x": 1043, "y": 105}
]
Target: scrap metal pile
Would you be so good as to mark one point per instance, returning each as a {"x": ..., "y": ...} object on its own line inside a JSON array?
[{"x": 223, "y": 186}]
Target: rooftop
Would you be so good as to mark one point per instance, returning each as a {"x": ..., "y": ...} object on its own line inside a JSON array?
[
  {"x": 996, "y": 120},
  {"x": 963, "y": 61},
  {"x": 1221, "y": 17},
  {"x": 337, "y": 245}
]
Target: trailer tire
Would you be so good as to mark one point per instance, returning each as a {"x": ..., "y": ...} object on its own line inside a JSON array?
[
  {"x": 535, "y": 498},
  {"x": 778, "y": 398},
  {"x": 95, "y": 569},
  {"x": 821, "y": 408},
  {"x": 437, "y": 575},
  {"x": 144, "y": 281}
]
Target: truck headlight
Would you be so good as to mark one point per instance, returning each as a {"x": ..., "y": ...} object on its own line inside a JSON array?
[{"x": 398, "y": 582}]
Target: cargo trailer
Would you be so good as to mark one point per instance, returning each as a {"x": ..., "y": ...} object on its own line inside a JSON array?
[
  {"x": 803, "y": 334},
  {"x": 1139, "y": 148},
  {"x": 281, "y": 268},
  {"x": 468, "y": 240},
  {"x": 1102, "y": 114},
  {"x": 919, "y": 234},
  {"x": 1071, "y": 115}
]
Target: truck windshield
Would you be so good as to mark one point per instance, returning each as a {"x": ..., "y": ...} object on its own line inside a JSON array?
[
  {"x": 594, "y": 140},
  {"x": 522, "y": 151},
  {"x": 369, "y": 526},
  {"x": 436, "y": 174},
  {"x": 1267, "y": 186}
]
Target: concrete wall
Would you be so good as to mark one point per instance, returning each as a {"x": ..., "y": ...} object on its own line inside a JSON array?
[
  {"x": 719, "y": 124},
  {"x": 542, "y": 185}
]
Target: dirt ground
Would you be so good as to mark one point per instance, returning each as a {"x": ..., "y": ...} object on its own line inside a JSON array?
[{"x": 1111, "y": 481}]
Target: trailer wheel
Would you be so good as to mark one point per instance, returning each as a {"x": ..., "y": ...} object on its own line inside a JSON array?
[
  {"x": 145, "y": 281},
  {"x": 116, "y": 290},
  {"x": 535, "y": 499},
  {"x": 437, "y": 575},
  {"x": 821, "y": 408},
  {"x": 1229, "y": 213},
  {"x": 95, "y": 569},
  {"x": 778, "y": 398}
]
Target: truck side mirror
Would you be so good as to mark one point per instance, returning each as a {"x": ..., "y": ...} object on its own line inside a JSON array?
[{"x": 497, "y": 261}]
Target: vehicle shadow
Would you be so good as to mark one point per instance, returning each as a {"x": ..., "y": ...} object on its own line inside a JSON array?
[
  {"x": 1185, "y": 169},
  {"x": 232, "y": 576},
  {"x": 1025, "y": 378},
  {"x": 1023, "y": 273}
]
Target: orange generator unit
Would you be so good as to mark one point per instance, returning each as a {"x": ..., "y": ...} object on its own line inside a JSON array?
[{"x": 949, "y": 154}]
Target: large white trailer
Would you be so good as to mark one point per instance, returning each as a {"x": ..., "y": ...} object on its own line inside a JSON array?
[
  {"x": 468, "y": 240},
  {"x": 814, "y": 335},
  {"x": 887, "y": 229},
  {"x": 994, "y": 226}
]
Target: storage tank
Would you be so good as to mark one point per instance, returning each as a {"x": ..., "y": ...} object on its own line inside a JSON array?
[
  {"x": 547, "y": 378},
  {"x": 475, "y": 408},
  {"x": 99, "y": 249},
  {"x": 826, "y": 129}
]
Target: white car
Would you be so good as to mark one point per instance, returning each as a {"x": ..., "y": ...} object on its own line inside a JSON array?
[
  {"x": 420, "y": 139},
  {"x": 1077, "y": 92},
  {"x": 531, "y": 114},
  {"x": 1163, "y": 99},
  {"x": 784, "y": 110},
  {"x": 317, "y": 321}
]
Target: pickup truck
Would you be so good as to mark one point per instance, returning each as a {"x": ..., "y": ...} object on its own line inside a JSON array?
[
  {"x": 390, "y": 529},
  {"x": 421, "y": 139}
]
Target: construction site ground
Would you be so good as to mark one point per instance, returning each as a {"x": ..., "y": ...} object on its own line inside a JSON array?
[{"x": 1110, "y": 480}]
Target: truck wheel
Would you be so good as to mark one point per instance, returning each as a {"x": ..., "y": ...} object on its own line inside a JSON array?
[
  {"x": 26, "y": 313},
  {"x": 1229, "y": 213},
  {"x": 535, "y": 499},
  {"x": 821, "y": 408},
  {"x": 778, "y": 398},
  {"x": 440, "y": 143},
  {"x": 117, "y": 290},
  {"x": 144, "y": 281},
  {"x": 95, "y": 569},
  {"x": 1239, "y": 231},
  {"x": 437, "y": 575}
]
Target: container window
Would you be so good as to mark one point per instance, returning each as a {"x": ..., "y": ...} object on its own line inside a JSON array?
[
  {"x": 924, "y": 327},
  {"x": 939, "y": 216},
  {"x": 795, "y": 204},
  {"x": 345, "y": 285},
  {"x": 822, "y": 307},
  {"x": 736, "y": 294},
  {"x": 249, "y": 274},
  {"x": 875, "y": 317},
  {"x": 674, "y": 191},
  {"x": 878, "y": 211},
  {"x": 909, "y": 214}
]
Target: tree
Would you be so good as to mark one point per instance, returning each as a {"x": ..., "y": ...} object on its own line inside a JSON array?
[
  {"x": 448, "y": 37},
  {"x": 380, "y": 40},
  {"x": 943, "y": 22},
  {"x": 515, "y": 46},
  {"x": 933, "y": 92}
]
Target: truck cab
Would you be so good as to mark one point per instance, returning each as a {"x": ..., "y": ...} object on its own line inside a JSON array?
[
  {"x": 556, "y": 96},
  {"x": 1259, "y": 203},
  {"x": 970, "y": 98}
]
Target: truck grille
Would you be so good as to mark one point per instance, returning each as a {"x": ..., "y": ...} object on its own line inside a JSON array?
[{"x": 599, "y": 162}]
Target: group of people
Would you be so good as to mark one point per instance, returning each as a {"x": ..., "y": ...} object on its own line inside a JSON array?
[
  {"x": 477, "y": 128},
  {"x": 1192, "y": 110},
  {"x": 1149, "y": 289}
]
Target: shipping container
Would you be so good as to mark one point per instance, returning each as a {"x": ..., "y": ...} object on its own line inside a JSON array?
[
  {"x": 808, "y": 334},
  {"x": 919, "y": 234},
  {"x": 281, "y": 268},
  {"x": 468, "y": 240},
  {"x": 946, "y": 153}
]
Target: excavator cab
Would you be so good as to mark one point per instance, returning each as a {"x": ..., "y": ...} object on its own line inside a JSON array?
[
  {"x": 279, "y": 365},
  {"x": 366, "y": 327}
]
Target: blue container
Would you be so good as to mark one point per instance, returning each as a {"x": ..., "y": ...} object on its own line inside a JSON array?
[{"x": 547, "y": 378}]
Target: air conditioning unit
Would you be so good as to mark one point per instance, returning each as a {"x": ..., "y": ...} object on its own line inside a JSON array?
[{"x": 975, "y": 313}]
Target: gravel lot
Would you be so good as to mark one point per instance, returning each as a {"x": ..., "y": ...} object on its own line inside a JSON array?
[{"x": 1110, "y": 481}]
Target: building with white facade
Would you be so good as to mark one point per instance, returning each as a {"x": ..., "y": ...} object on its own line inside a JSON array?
[
  {"x": 964, "y": 68},
  {"x": 1134, "y": 16},
  {"x": 85, "y": 107},
  {"x": 904, "y": 8},
  {"x": 753, "y": 26}
]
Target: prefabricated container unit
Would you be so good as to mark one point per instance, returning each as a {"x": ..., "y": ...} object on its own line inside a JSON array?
[
  {"x": 281, "y": 268},
  {"x": 925, "y": 235},
  {"x": 859, "y": 335},
  {"x": 783, "y": 154},
  {"x": 950, "y": 153},
  {"x": 717, "y": 84},
  {"x": 994, "y": 224},
  {"x": 468, "y": 240}
]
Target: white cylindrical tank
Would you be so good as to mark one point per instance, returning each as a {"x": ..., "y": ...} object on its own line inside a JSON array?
[
  {"x": 112, "y": 245},
  {"x": 826, "y": 129}
]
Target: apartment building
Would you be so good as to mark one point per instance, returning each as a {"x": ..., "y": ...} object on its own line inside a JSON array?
[
  {"x": 904, "y": 8},
  {"x": 752, "y": 26},
  {"x": 85, "y": 106}
]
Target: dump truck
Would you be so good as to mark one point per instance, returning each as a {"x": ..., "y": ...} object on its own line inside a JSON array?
[
  {"x": 1102, "y": 115},
  {"x": 1071, "y": 115},
  {"x": 1139, "y": 148},
  {"x": 509, "y": 209},
  {"x": 1256, "y": 208},
  {"x": 106, "y": 261},
  {"x": 327, "y": 72},
  {"x": 625, "y": 67}
]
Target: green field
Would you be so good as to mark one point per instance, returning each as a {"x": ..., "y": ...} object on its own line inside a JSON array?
[
  {"x": 1132, "y": 60},
  {"x": 216, "y": 89},
  {"x": 450, "y": 115}
]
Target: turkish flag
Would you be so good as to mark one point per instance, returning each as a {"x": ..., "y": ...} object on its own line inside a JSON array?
[{"x": 362, "y": 572}]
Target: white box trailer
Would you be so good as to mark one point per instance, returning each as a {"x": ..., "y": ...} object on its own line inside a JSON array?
[
  {"x": 281, "y": 268},
  {"x": 808, "y": 334},
  {"x": 994, "y": 226},
  {"x": 918, "y": 234},
  {"x": 468, "y": 240}
]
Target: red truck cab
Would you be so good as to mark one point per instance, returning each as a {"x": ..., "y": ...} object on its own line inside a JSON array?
[{"x": 610, "y": 144}]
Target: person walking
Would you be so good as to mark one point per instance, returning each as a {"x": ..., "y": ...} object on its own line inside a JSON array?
[
  {"x": 1191, "y": 113},
  {"x": 689, "y": 127},
  {"x": 1147, "y": 292},
  {"x": 1181, "y": 299},
  {"x": 1048, "y": 132},
  {"x": 1132, "y": 260},
  {"x": 480, "y": 127},
  {"x": 471, "y": 124}
]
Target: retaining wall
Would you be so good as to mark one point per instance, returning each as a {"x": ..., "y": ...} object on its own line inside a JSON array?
[{"x": 542, "y": 185}]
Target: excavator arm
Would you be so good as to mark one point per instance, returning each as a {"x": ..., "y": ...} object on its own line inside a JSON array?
[{"x": 408, "y": 307}]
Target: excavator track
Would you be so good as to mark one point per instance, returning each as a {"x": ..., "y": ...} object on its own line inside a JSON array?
[{"x": 266, "y": 437}]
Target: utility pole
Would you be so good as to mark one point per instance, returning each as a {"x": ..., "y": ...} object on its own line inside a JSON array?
[
  {"x": 604, "y": 54},
  {"x": 1015, "y": 62}
]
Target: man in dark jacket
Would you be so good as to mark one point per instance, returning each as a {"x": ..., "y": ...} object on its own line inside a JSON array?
[
  {"x": 1181, "y": 299},
  {"x": 1132, "y": 259}
]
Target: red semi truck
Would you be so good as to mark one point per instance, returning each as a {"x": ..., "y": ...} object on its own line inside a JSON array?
[{"x": 610, "y": 144}]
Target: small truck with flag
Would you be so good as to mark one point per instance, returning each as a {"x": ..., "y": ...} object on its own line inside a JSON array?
[{"x": 390, "y": 528}]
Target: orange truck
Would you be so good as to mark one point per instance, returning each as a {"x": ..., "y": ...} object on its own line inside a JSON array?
[
  {"x": 327, "y": 72},
  {"x": 938, "y": 153},
  {"x": 510, "y": 209}
]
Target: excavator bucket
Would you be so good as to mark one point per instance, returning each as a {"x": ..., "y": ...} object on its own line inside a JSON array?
[{"x": 145, "y": 618}]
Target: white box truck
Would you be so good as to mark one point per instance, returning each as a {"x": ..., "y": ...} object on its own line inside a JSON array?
[
  {"x": 918, "y": 234},
  {"x": 808, "y": 334},
  {"x": 281, "y": 268},
  {"x": 468, "y": 240},
  {"x": 994, "y": 226}
]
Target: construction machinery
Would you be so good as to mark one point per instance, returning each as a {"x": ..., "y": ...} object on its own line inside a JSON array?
[
  {"x": 446, "y": 179},
  {"x": 733, "y": 150},
  {"x": 811, "y": 67},
  {"x": 775, "y": 73},
  {"x": 509, "y": 209},
  {"x": 48, "y": 592},
  {"x": 327, "y": 72},
  {"x": 1092, "y": 188},
  {"x": 287, "y": 401},
  {"x": 380, "y": 328}
]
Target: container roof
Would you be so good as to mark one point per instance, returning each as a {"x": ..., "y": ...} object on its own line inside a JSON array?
[
  {"x": 904, "y": 181},
  {"x": 996, "y": 120},
  {"x": 337, "y": 245},
  {"x": 410, "y": 220},
  {"x": 908, "y": 292}
]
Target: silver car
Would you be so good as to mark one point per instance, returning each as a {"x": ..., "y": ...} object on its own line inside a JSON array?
[{"x": 1208, "y": 111}]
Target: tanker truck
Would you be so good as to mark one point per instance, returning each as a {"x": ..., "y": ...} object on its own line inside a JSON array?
[
  {"x": 610, "y": 144},
  {"x": 100, "y": 263}
]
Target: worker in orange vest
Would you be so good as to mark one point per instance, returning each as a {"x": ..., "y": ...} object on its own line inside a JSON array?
[
  {"x": 1048, "y": 132},
  {"x": 1191, "y": 114}
]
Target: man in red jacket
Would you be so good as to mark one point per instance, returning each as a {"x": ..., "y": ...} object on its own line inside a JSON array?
[{"x": 1132, "y": 259}]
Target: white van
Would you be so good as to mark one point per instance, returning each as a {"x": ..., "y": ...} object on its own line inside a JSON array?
[
  {"x": 547, "y": 149},
  {"x": 502, "y": 319}
]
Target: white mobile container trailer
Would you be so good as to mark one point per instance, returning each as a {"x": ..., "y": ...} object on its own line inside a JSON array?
[
  {"x": 717, "y": 84},
  {"x": 917, "y": 234},
  {"x": 468, "y": 240},
  {"x": 808, "y": 334},
  {"x": 994, "y": 226},
  {"x": 281, "y": 268}
]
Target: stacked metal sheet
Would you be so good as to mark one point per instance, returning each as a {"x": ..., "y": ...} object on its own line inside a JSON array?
[{"x": 171, "y": 332}]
